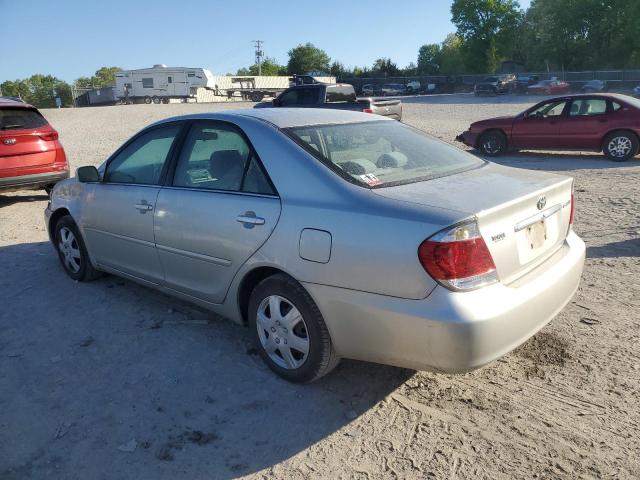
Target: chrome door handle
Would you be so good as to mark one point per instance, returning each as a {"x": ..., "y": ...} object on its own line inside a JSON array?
[
  {"x": 249, "y": 219},
  {"x": 144, "y": 207}
]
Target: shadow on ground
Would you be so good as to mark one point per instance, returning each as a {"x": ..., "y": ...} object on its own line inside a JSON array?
[
  {"x": 559, "y": 161},
  {"x": 623, "y": 248},
  {"x": 112, "y": 380},
  {"x": 7, "y": 199}
]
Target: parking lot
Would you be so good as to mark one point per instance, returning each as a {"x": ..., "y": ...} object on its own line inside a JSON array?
[{"x": 109, "y": 379}]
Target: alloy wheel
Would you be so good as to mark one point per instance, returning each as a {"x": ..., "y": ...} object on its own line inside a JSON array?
[
  {"x": 491, "y": 145},
  {"x": 282, "y": 332},
  {"x": 70, "y": 250},
  {"x": 620, "y": 147}
]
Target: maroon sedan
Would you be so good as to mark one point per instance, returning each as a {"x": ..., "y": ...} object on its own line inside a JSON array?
[
  {"x": 598, "y": 122},
  {"x": 549, "y": 87}
]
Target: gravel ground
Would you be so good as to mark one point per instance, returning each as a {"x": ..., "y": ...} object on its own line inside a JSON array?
[{"x": 110, "y": 380}]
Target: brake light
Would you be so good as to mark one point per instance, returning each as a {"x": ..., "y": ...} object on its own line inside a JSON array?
[
  {"x": 49, "y": 136},
  {"x": 367, "y": 110},
  {"x": 458, "y": 258},
  {"x": 573, "y": 203}
]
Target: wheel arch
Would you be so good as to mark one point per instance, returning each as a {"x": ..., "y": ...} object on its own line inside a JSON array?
[
  {"x": 55, "y": 216},
  {"x": 249, "y": 282},
  {"x": 491, "y": 129},
  {"x": 614, "y": 130}
]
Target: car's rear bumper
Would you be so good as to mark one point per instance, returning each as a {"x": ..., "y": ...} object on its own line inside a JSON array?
[
  {"x": 468, "y": 138},
  {"x": 32, "y": 181},
  {"x": 450, "y": 331}
]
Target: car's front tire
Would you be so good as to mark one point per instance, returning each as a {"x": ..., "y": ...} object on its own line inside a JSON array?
[
  {"x": 492, "y": 143},
  {"x": 289, "y": 331},
  {"x": 72, "y": 251},
  {"x": 620, "y": 146}
]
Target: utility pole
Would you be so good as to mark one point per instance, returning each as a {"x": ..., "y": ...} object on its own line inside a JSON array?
[{"x": 259, "y": 55}]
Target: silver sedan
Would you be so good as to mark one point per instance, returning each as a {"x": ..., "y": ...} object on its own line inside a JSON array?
[{"x": 332, "y": 234}]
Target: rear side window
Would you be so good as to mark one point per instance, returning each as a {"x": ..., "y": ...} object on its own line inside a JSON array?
[
  {"x": 588, "y": 106},
  {"x": 141, "y": 162},
  {"x": 215, "y": 156},
  {"x": 299, "y": 96},
  {"x": 340, "y": 93},
  {"x": 20, "y": 118}
]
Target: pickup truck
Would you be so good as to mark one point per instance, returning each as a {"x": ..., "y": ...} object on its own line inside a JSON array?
[{"x": 340, "y": 96}]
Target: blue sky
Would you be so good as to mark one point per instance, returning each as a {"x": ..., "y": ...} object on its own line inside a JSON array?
[{"x": 74, "y": 38}]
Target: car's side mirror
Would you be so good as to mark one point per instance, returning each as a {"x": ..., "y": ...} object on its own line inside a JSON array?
[{"x": 87, "y": 174}]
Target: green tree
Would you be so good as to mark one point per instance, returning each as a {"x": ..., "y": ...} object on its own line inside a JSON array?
[
  {"x": 582, "y": 34},
  {"x": 384, "y": 66},
  {"x": 429, "y": 58},
  {"x": 307, "y": 57},
  {"x": 39, "y": 90},
  {"x": 338, "y": 70},
  {"x": 452, "y": 56},
  {"x": 103, "y": 77},
  {"x": 269, "y": 68},
  {"x": 488, "y": 28}
]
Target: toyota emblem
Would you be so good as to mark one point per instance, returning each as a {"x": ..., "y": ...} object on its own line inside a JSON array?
[
  {"x": 9, "y": 141},
  {"x": 542, "y": 201}
]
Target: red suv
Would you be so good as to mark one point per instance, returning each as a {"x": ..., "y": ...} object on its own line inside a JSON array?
[{"x": 31, "y": 157}]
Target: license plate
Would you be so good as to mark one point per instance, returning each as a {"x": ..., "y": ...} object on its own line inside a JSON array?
[{"x": 536, "y": 234}]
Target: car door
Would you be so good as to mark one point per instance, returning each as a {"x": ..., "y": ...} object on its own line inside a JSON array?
[
  {"x": 118, "y": 217},
  {"x": 540, "y": 126},
  {"x": 585, "y": 123},
  {"x": 218, "y": 208}
]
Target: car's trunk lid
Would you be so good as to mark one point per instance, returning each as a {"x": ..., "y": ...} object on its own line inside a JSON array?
[
  {"x": 26, "y": 139},
  {"x": 523, "y": 215}
]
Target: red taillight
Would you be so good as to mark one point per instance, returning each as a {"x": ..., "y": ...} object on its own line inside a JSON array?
[
  {"x": 458, "y": 258},
  {"x": 367, "y": 110},
  {"x": 49, "y": 136},
  {"x": 573, "y": 203}
]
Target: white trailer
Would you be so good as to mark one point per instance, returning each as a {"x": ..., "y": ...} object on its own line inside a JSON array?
[{"x": 161, "y": 83}]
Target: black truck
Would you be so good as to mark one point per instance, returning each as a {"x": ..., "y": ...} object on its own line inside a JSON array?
[{"x": 340, "y": 96}]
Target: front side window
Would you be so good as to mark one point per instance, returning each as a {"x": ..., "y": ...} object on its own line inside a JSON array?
[
  {"x": 215, "y": 156},
  {"x": 588, "y": 106},
  {"x": 141, "y": 162},
  {"x": 549, "y": 109},
  {"x": 147, "y": 83},
  {"x": 381, "y": 153}
]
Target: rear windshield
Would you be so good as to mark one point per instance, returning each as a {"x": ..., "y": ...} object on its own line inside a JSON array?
[
  {"x": 382, "y": 154},
  {"x": 20, "y": 118}
]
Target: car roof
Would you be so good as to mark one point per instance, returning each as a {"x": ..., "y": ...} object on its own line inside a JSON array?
[
  {"x": 288, "y": 117},
  {"x": 8, "y": 102}
]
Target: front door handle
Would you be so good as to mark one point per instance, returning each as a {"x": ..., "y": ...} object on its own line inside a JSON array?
[
  {"x": 249, "y": 219},
  {"x": 144, "y": 207}
]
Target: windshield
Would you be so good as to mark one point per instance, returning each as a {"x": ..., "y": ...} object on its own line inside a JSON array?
[
  {"x": 381, "y": 154},
  {"x": 20, "y": 118}
]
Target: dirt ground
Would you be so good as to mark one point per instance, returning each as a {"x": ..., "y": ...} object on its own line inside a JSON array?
[{"x": 109, "y": 380}]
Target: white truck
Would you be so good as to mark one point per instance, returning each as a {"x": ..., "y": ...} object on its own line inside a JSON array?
[{"x": 160, "y": 84}]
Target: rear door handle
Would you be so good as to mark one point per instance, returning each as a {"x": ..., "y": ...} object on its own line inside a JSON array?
[
  {"x": 249, "y": 219},
  {"x": 144, "y": 207}
]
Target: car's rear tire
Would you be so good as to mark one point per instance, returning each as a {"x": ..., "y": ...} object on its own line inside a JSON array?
[
  {"x": 288, "y": 330},
  {"x": 620, "y": 146},
  {"x": 492, "y": 143},
  {"x": 72, "y": 251}
]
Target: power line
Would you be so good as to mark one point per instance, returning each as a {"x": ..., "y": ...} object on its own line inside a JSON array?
[{"x": 259, "y": 55}]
